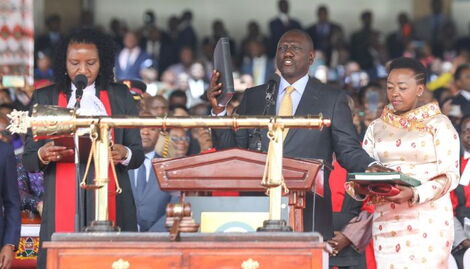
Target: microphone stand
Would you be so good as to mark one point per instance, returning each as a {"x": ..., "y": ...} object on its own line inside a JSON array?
[
  {"x": 269, "y": 102},
  {"x": 79, "y": 193}
]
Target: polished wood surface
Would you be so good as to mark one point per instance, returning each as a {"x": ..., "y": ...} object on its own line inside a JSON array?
[
  {"x": 232, "y": 170},
  {"x": 153, "y": 250}
]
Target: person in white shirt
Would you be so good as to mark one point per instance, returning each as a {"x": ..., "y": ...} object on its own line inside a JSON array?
[{"x": 132, "y": 59}]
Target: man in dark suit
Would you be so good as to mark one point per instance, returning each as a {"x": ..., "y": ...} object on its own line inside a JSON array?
[
  {"x": 362, "y": 45},
  {"x": 280, "y": 25},
  {"x": 10, "y": 218},
  {"x": 322, "y": 32},
  {"x": 161, "y": 48},
  {"x": 461, "y": 102},
  {"x": 131, "y": 59},
  {"x": 295, "y": 54},
  {"x": 186, "y": 35},
  {"x": 150, "y": 200},
  {"x": 436, "y": 28},
  {"x": 257, "y": 63},
  {"x": 49, "y": 40}
]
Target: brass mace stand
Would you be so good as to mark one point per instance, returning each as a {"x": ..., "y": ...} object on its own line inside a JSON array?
[{"x": 52, "y": 121}]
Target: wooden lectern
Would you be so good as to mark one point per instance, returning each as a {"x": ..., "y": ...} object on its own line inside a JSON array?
[
  {"x": 240, "y": 170},
  {"x": 232, "y": 169}
]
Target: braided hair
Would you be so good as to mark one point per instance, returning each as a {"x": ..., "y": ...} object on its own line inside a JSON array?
[{"x": 412, "y": 64}]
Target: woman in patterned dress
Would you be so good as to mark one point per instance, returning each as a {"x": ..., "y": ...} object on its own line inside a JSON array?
[{"x": 414, "y": 228}]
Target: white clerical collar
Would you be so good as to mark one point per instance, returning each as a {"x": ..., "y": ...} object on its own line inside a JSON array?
[
  {"x": 90, "y": 105},
  {"x": 465, "y": 94},
  {"x": 299, "y": 85},
  {"x": 90, "y": 89}
]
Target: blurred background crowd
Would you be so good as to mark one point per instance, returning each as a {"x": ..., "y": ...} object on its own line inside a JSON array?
[{"x": 168, "y": 67}]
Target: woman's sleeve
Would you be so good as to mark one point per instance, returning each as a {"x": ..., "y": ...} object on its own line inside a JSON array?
[
  {"x": 368, "y": 146},
  {"x": 446, "y": 146},
  {"x": 369, "y": 141},
  {"x": 131, "y": 137}
]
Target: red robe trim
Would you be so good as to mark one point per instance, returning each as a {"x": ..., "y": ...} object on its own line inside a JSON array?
[{"x": 66, "y": 183}]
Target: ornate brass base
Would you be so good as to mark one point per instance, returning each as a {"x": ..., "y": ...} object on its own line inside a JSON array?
[
  {"x": 274, "y": 226},
  {"x": 102, "y": 226}
]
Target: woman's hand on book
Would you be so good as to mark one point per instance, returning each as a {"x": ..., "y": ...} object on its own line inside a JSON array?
[{"x": 405, "y": 195}]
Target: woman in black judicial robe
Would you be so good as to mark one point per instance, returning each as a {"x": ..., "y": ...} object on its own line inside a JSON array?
[{"x": 89, "y": 53}]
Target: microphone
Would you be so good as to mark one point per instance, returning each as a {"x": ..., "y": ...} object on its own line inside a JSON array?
[
  {"x": 269, "y": 101},
  {"x": 80, "y": 83},
  {"x": 272, "y": 84}
]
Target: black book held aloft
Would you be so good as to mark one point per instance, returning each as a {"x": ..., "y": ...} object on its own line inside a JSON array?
[{"x": 223, "y": 64}]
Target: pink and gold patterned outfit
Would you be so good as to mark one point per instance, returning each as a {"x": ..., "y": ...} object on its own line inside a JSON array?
[{"x": 423, "y": 144}]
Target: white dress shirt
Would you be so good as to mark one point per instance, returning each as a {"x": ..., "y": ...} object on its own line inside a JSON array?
[
  {"x": 259, "y": 69},
  {"x": 128, "y": 57},
  {"x": 284, "y": 18},
  {"x": 296, "y": 95}
]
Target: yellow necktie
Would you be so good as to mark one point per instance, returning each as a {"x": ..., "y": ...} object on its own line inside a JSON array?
[{"x": 286, "y": 108}]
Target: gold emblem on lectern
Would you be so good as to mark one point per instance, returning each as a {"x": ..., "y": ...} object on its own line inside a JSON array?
[{"x": 121, "y": 264}]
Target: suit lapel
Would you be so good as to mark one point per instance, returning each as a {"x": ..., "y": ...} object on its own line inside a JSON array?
[
  {"x": 309, "y": 96},
  {"x": 132, "y": 180},
  {"x": 152, "y": 179},
  {"x": 151, "y": 184}
]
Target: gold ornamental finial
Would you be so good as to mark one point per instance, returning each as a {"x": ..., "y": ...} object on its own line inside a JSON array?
[{"x": 19, "y": 122}]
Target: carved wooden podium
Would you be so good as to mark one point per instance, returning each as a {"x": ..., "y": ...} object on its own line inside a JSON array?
[
  {"x": 232, "y": 169},
  {"x": 240, "y": 170}
]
